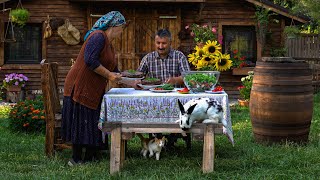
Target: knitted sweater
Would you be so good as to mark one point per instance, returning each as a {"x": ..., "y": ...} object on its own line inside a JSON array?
[{"x": 87, "y": 86}]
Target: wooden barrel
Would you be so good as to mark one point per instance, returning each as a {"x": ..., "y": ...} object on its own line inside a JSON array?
[{"x": 281, "y": 100}]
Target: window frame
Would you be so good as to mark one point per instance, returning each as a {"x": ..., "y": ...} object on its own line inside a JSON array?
[
  {"x": 21, "y": 66},
  {"x": 37, "y": 56},
  {"x": 236, "y": 23},
  {"x": 249, "y": 30}
]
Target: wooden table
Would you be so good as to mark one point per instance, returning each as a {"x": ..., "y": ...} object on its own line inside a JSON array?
[{"x": 131, "y": 111}]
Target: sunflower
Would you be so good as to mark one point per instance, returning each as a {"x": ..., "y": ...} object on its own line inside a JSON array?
[
  {"x": 212, "y": 47},
  {"x": 211, "y": 59},
  {"x": 193, "y": 58},
  {"x": 202, "y": 63},
  {"x": 223, "y": 63},
  {"x": 199, "y": 51}
]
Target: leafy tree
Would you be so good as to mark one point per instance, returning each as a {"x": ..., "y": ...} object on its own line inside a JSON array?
[{"x": 310, "y": 8}]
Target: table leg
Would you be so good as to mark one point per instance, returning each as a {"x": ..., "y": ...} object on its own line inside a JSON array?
[
  {"x": 208, "y": 150},
  {"x": 115, "y": 150},
  {"x": 123, "y": 152}
]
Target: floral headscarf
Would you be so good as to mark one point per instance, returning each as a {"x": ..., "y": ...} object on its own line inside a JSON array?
[{"x": 111, "y": 19}]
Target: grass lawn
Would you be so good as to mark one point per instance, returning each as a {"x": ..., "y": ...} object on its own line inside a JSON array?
[{"x": 22, "y": 157}]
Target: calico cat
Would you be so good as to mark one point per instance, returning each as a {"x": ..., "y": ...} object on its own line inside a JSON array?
[{"x": 153, "y": 145}]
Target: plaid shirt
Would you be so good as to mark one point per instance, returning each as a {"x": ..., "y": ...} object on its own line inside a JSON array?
[{"x": 172, "y": 66}]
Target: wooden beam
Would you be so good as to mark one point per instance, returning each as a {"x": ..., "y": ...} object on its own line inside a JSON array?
[
  {"x": 138, "y": 1},
  {"x": 263, "y": 5},
  {"x": 3, "y": 1}
]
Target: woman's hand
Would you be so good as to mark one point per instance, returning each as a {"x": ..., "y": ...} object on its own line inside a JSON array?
[{"x": 114, "y": 77}]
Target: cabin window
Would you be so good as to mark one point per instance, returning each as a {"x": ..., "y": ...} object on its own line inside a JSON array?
[
  {"x": 242, "y": 38},
  {"x": 27, "y": 48}
]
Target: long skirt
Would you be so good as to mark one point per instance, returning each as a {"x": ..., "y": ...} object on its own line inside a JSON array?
[{"x": 80, "y": 124}]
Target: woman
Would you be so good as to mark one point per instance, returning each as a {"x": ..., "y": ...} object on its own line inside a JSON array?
[{"x": 85, "y": 85}]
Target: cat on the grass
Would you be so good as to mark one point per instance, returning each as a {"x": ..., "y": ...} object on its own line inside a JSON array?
[{"x": 153, "y": 145}]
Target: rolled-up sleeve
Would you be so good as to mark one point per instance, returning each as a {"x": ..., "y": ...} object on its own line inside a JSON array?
[{"x": 93, "y": 49}]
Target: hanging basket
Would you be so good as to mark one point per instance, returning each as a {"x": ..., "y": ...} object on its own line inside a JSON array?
[{"x": 19, "y": 16}]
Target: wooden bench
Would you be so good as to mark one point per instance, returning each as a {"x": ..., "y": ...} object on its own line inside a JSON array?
[
  {"x": 121, "y": 132},
  {"x": 49, "y": 85}
]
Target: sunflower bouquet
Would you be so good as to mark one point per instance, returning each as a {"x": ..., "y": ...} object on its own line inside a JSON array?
[{"x": 210, "y": 58}]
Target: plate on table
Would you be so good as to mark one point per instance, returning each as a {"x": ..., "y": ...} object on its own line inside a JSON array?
[
  {"x": 148, "y": 86},
  {"x": 215, "y": 92},
  {"x": 130, "y": 79},
  {"x": 160, "y": 91}
]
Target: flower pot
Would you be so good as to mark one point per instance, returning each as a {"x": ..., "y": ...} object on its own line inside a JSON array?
[
  {"x": 242, "y": 71},
  {"x": 243, "y": 103},
  {"x": 13, "y": 93}
]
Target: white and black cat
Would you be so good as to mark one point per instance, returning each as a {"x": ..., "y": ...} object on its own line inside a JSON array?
[{"x": 153, "y": 145}]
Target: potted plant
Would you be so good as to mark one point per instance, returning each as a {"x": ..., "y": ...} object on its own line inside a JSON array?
[
  {"x": 13, "y": 83},
  {"x": 19, "y": 16},
  {"x": 245, "y": 89},
  {"x": 239, "y": 64},
  {"x": 291, "y": 31}
]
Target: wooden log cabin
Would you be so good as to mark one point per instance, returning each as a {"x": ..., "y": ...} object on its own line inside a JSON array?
[{"x": 235, "y": 20}]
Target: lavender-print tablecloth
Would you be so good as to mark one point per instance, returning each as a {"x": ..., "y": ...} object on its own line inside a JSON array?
[{"x": 130, "y": 105}]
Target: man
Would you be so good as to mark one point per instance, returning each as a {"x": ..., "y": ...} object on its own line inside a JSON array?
[{"x": 165, "y": 63}]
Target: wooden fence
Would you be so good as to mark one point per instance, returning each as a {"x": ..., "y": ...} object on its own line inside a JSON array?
[{"x": 306, "y": 47}]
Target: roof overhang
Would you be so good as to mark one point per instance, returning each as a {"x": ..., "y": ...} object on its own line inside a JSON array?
[
  {"x": 3, "y": 1},
  {"x": 138, "y": 1},
  {"x": 278, "y": 9}
]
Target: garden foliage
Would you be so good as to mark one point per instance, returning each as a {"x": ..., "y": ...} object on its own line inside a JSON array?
[{"x": 28, "y": 116}]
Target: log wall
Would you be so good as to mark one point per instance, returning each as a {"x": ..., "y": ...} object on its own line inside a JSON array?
[
  {"x": 137, "y": 39},
  {"x": 54, "y": 49}
]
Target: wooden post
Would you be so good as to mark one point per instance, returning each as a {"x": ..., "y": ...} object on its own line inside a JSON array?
[
  {"x": 208, "y": 149},
  {"x": 123, "y": 152},
  {"x": 115, "y": 150},
  {"x": 45, "y": 81}
]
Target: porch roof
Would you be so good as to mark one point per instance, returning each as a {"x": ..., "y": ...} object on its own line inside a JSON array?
[
  {"x": 279, "y": 9},
  {"x": 138, "y": 0}
]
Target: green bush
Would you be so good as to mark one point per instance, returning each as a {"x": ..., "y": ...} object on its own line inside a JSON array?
[
  {"x": 28, "y": 116},
  {"x": 4, "y": 111},
  {"x": 245, "y": 88}
]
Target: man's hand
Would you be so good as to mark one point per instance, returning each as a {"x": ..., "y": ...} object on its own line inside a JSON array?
[
  {"x": 100, "y": 125},
  {"x": 171, "y": 80}
]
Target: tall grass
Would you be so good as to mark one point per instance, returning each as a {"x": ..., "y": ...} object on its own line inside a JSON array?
[{"x": 22, "y": 157}]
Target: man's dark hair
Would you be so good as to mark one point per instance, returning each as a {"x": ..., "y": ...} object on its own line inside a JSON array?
[{"x": 164, "y": 33}]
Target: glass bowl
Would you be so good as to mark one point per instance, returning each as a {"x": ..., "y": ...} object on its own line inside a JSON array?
[{"x": 200, "y": 81}]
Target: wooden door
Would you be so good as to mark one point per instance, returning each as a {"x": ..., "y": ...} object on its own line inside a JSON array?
[{"x": 138, "y": 38}]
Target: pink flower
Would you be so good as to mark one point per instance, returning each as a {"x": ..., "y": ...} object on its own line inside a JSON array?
[
  {"x": 192, "y": 34},
  {"x": 205, "y": 26},
  {"x": 187, "y": 27},
  {"x": 214, "y": 30}
]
